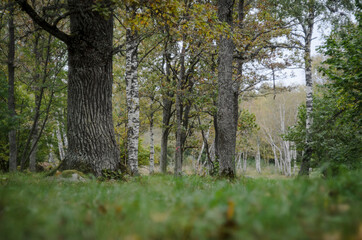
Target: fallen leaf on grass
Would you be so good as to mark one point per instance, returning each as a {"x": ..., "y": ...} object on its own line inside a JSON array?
[
  {"x": 88, "y": 218},
  {"x": 231, "y": 210},
  {"x": 332, "y": 236},
  {"x": 159, "y": 217},
  {"x": 102, "y": 209}
]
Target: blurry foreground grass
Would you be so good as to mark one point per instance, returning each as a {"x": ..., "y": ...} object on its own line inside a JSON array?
[{"x": 191, "y": 207}]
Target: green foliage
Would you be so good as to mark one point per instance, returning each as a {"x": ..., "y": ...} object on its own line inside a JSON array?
[
  {"x": 335, "y": 139},
  {"x": 344, "y": 66},
  {"x": 143, "y": 154},
  {"x": 247, "y": 122},
  {"x": 191, "y": 207},
  {"x": 108, "y": 174},
  {"x": 336, "y": 134}
]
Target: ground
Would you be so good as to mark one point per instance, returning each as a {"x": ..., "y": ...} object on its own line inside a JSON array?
[{"x": 33, "y": 206}]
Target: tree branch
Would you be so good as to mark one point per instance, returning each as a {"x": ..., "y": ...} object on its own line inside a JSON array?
[{"x": 53, "y": 30}]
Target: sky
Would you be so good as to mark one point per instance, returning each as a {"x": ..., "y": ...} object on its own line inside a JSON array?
[{"x": 299, "y": 78}]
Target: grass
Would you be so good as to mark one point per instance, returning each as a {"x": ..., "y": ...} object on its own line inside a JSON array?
[{"x": 191, "y": 207}]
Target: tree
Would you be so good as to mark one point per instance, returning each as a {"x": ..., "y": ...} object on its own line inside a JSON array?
[
  {"x": 226, "y": 129},
  {"x": 11, "y": 91},
  {"x": 92, "y": 144}
]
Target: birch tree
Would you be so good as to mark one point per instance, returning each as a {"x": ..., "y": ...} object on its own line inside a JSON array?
[{"x": 132, "y": 95}]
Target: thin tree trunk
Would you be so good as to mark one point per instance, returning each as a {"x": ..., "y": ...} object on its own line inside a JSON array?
[
  {"x": 276, "y": 161},
  {"x": 179, "y": 131},
  {"x": 257, "y": 156},
  {"x": 166, "y": 115},
  {"x": 60, "y": 142},
  {"x": 51, "y": 154},
  {"x": 132, "y": 92},
  {"x": 197, "y": 163},
  {"x": 152, "y": 146},
  {"x": 304, "y": 169},
  {"x": 226, "y": 100},
  {"x": 34, "y": 146},
  {"x": 11, "y": 90},
  {"x": 239, "y": 163},
  {"x": 65, "y": 138},
  {"x": 36, "y": 76},
  {"x": 245, "y": 157},
  {"x": 211, "y": 162}
]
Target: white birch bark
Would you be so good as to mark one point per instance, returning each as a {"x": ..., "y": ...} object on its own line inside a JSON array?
[
  {"x": 282, "y": 161},
  {"x": 197, "y": 164},
  {"x": 212, "y": 157},
  {"x": 245, "y": 157},
  {"x": 51, "y": 154},
  {"x": 132, "y": 92},
  {"x": 285, "y": 144},
  {"x": 60, "y": 142},
  {"x": 308, "y": 31},
  {"x": 65, "y": 138},
  {"x": 276, "y": 161},
  {"x": 257, "y": 157},
  {"x": 239, "y": 161}
]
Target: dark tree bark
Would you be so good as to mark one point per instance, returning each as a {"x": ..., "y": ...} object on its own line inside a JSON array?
[
  {"x": 179, "y": 131},
  {"x": 11, "y": 90},
  {"x": 166, "y": 117},
  {"x": 92, "y": 145},
  {"x": 226, "y": 129}
]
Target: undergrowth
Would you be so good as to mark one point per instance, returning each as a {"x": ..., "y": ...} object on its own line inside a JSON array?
[{"x": 190, "y": 207}]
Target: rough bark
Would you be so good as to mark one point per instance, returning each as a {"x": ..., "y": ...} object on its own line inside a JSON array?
[
  {"x": 132, "y": 92},
  {"x": 226, "y": 136},
  {"x": 92, "y": 144},
  {"x": 308, "y": 31},
  {"x": 11, "y": 90}
]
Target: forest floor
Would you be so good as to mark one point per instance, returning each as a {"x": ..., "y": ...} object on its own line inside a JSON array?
[{"x": 33, "y": 206}]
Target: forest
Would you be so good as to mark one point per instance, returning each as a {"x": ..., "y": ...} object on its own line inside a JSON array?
[{"x": 180, "y": 119}]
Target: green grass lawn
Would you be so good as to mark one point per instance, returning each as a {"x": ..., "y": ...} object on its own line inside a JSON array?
[{"x": 191, "y": 207}]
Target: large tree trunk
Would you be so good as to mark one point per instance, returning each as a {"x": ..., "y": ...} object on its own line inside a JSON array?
[
  {"x": 11, "y": 90},
  {"x": 92, "y": 144},
  {"x": 132, "y": 100},
  {"x": 304, "y": 169},
  {"x": 226, "y": 136}
]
